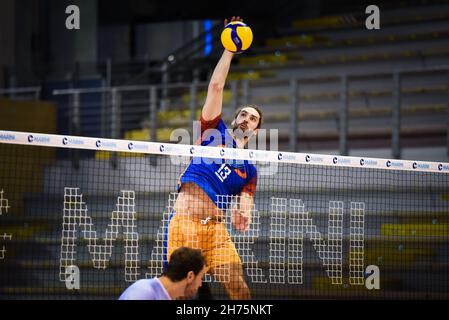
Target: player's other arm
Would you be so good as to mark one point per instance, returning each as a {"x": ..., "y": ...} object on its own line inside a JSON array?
[{"x": 242, "y": 213}]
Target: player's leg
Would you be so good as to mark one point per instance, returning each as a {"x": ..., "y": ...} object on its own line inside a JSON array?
[
  {"x": 226, "y": 265},
  {"x": 231, "y": 277},
  {"x": 172, "y": 237},
  {"x": 237, "y": 288},
  {"x": 181, "y": 232}
]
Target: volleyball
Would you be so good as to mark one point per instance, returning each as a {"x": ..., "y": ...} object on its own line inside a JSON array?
[{"x": 236, "y": 37}]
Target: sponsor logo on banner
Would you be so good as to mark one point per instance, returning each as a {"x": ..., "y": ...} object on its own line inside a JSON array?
[
  {"x": 316, "y": 159},
  {"x": 222, "y": 152},
  {"x": 394, "y": 164},
  {"x": 421, "y": 165},
  {"x": 192, "y": 150},
  {"x": 368, "y": 162},
  {"x": 105, "y": 144},
  {"x": 74, "y": 141},
  {"x": 7, "y": 137},
  {"x": 205, "y": 151},
  {"x": 443, "y": 167},
  {"x": 139, "y": 146},
  {"x": 257, "y": 155},
  {"x": 336, "y": 160},
  {"x": 163, "y": 148},
  {"x": 288, "y": 157},
  {"x": 41, "y": 139}
]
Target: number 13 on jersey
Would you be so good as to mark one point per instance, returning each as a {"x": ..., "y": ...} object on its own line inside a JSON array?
[{"x": 223, "y": 172}]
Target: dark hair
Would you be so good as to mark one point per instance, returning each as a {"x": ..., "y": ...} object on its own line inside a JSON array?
[
  {"x": 250, "y": 106},
  {"x": 182, "y": 261}
]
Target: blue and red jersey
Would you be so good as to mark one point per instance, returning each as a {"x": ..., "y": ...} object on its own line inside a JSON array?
[{"x": 225, "y": 177}]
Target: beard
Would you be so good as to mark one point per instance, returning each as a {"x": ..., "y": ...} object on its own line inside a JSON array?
[{"x": 241, "y": 130}]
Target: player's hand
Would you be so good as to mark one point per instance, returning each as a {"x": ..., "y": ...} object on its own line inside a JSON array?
[
  {"x": 240, "y": 221},
  {"x": 232, "y": 19},
  {"x": 226, "y": 21}
]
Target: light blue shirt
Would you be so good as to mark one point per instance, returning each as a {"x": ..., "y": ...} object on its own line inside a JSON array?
[{"x": 146, "y": 289}]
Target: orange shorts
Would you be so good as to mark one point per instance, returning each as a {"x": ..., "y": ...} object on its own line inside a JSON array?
[{"x": 211, "y": 237}]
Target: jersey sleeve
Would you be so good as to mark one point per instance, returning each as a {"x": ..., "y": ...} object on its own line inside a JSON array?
[
  {"x": 250, "y": 186},
  {"x": 207, "y": 124}
]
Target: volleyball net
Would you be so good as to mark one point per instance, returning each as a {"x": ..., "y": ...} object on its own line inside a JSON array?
[{"x": 84, "y": 218}]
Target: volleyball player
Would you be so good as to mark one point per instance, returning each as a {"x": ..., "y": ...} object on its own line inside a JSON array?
[{"x": 204, "y": 187}]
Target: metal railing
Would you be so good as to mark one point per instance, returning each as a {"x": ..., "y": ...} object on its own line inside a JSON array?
[
  {"x": 22, "y": 93},
  {"x": 241, "y": 92}
]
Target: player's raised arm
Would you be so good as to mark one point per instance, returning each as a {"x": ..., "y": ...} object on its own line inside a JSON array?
[{"x": 214, "y": 100}]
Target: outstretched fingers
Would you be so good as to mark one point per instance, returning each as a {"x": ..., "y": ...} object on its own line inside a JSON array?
[{"x": 234, "y": 18}]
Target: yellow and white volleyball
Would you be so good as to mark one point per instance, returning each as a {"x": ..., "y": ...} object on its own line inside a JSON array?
[{"x": 236, "y": 37}]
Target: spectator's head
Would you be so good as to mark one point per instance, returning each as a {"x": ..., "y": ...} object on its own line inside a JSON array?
[{"x": 186, "y": 264}]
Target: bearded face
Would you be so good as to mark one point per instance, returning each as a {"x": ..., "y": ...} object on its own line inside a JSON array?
[{"x": 245, "y": 124}]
